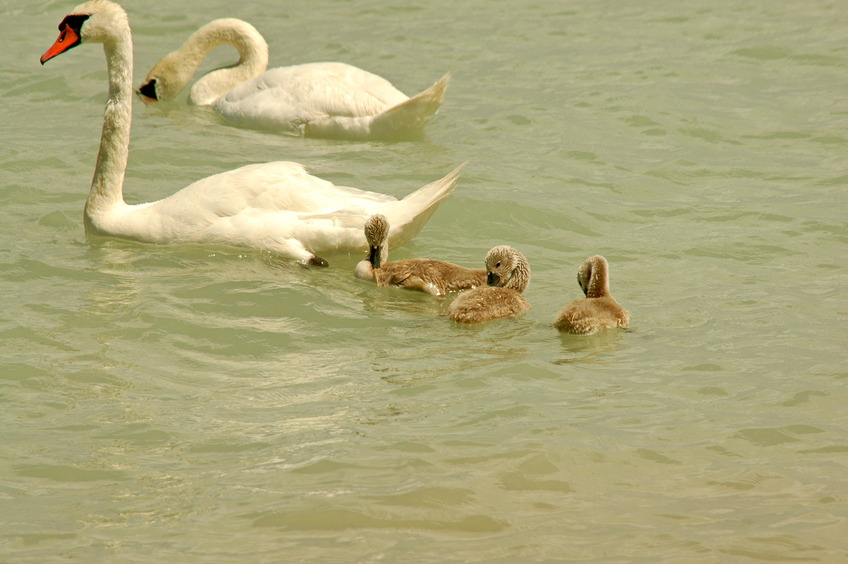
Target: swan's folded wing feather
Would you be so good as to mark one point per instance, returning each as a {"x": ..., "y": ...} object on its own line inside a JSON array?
[
  {"x": 291, "y": 96},
  {"x": 276, "y": 186}
]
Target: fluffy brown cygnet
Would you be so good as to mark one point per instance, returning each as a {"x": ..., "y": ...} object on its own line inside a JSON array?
[
  {"x": 598, "y": 310},
  {"x": 508, "y": 274},
  {"x": 432, "y": 276}
]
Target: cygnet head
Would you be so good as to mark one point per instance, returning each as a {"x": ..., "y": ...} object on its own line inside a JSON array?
[
  {"x": 507, "y": 268},
  {"x": 593, "y": 277},
  {"x": 377, "y": 235}
]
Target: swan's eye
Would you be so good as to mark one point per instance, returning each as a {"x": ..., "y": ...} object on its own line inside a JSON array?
[{"x": 498, "y": 265}]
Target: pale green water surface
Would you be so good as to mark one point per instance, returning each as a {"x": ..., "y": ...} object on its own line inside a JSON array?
[{"x": 194, "y": 405}]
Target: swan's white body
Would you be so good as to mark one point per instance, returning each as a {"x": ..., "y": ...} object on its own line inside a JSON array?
[
  {"x": 314, "y": 99},
  {"x": 275, "y": 206}
]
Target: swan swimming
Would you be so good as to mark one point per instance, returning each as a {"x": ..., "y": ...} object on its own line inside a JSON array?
[
  {"x": 277, "y": 206},
  {"x": 508, "y": 274},
  {"x": 314, "y": 99},
  {"x": 598, "y": 310},
  {"x": 434, "y": 277}
]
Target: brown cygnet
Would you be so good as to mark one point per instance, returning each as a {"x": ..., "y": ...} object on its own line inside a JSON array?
[
  {"x": 508, "y": 274},
  {"x": 432, "y": 276},
  {"x": 598, "y": 310}
]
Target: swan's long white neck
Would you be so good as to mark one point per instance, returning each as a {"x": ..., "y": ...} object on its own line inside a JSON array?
[
  {"x": 253, "y": 58},
  {"x": 107, "y": 184}
]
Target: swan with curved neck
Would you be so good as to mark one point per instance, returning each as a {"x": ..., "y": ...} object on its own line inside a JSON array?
[
  {"x": 314, "y": 99},
  {"x": 599, "y": 309},
  {"x": 275, "y": 206},
  {"x": 434, "y": 277},
  {"x": 508, "y": 274}
]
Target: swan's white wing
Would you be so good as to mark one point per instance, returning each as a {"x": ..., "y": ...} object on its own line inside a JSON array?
[
  {"x": 283, "y": 231},
  {"x": 289, "y": 97},
  {"x": 275, "y": 186}
]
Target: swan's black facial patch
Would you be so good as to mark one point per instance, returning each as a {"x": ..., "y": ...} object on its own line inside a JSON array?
[
  {"x": 74, "y": 21},
  {"x": 149, "y": 90},
  {"x": 69, "y": 36}
]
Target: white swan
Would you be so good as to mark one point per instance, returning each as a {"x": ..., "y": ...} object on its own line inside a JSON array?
[
  {"x": 275, "y": 206},
  {"x": 508, "y": 274},
  {"x": 599, "y": 309},
  {"x": 315, "y": 99},
  {"x": 434, "y": 277}
]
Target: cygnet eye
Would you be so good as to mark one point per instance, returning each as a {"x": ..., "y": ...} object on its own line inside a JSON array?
[{"x": 498, "y": 265}]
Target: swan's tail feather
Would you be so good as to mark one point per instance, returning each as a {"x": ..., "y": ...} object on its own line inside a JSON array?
[
  {"x": 408, "y": 216},
  {"x": 411, "y": 116}
]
